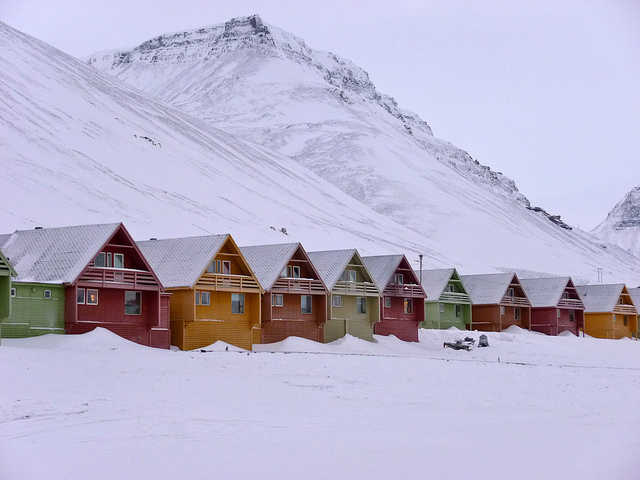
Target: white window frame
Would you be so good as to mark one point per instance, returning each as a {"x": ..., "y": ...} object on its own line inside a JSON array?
[
  {"x": 361, "y": 304},
  {"x": 387, "y": 302},
  {"x": 274, "y": 300},
  {"x": 450, "y": 288},
  {"x": 88, "y": 295},
  {"x": 84, "y": 296},
  {"x": 226, "y": 267},
  {"x": 294, "y": 271},
  {"x": 138, "y": 294},
  {"x": 47, "y": 294},
  {"x": 398, "y": 279},
  {"x": 336, "y": 301},
  {"x": 239, "y": 301},
  {"x": 408, "y": 302},
  {"x": 205, "y": 295},
  {"x": 309, "y": 303},
  {"x": 13, "y": 293},
  {"x": 96, "y": 262},
  {"x": 559, "y": 313},
  {"x": 197, "y": 297},
  {"x": 441, "y": 307},
  {"x": 502, "y": 310},
  {"x": 109, "y": 262},
  {"x": 121, "y": 257},
  {"x": 511, "y": 292},
  {"x": 458, "y": 310},
  {"x": 349, "y": 275}
]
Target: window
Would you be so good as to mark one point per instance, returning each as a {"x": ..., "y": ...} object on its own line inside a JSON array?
[
  {"x": 284, "y": 272},
  {"x": 92, "y": 296},
  {"x": 305, "y": 303},
  {"x": 197, "y": 298},
  {"x": 398, "y": 279},
  {"x": 565, "y": 294},
  {"x": 408, "y": 305},
  {"x": 100, "y": 260},
  {"x": 109, "y": 260},
  {"x": 361, "y": 304},
  {"x": 349, "y": 276},
  {"x": 214, "y": 266},
  {"x": 517, "y": 313},
  {"x": 559, "y": 313},
  {"x": 118, "y": 260},
  {"x": 458, "y": 311},
  {"x": 277, "y": 300},
  {"x": 510, "y": 292},
  {"x": 13, "y": 292},
  {"x": 47, "y": 294},
  {"x": 237, "y": 303},
  {"x": 572, "y": 316},
  {"x": 450, "y": 288},
  {"x": 387, "y": 302},
  {"x": 205, "y": 298},
  {"x": 294, "y": 271},
  {"x": 625, "y": 320},
  {"x": 502, "y": 311},
  {"x": 226, "y": 267},
  {"x": 81, "y": 295},
  {"x": 336, "y": 301},
  {"x": 441, "y": 307},
  {"x": 132, "y": 303}
]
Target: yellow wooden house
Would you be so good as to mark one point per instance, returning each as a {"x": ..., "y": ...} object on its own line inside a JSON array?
[
  {"x": 609, "y": 311},
  {"x": 215, "y": 295}
]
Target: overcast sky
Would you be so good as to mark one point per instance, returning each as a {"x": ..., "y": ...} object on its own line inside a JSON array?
[{"x": 547, "y": 92}]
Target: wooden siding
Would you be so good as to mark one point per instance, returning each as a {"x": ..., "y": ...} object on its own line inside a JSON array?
[
  {"x": 279, "y": 323},
  {"x": 487, "y": 318},
  {"x": 393, "y": 320},
  {"x": 5, "y": 296},
  {"x": 278, "y": 330},
  {"x": 345, "y": 319},
  {"x": 546, "y": 320},
  {"x": 32, "y": 314},
  {"x": 609, "y": 325},
  {"x": 434, "y": 318}
]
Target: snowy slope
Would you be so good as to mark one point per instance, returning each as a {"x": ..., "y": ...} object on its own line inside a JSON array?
[
  {"x": 81, "y": 147},
  {"x": 622, "y": 225},
  {"x": 268, "y": 86},
  {"x": 528, "y": 407}
]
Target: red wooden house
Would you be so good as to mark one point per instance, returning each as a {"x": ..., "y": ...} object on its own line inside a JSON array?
[
  {"x": 295, "y": 298},
  {"x": 555, "y": 305},
  {"x": 498, "y": 301},
  {"x": 402, "y": 297},
  {"x": 107, "y": 281}
]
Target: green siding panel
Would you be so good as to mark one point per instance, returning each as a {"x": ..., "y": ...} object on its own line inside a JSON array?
[
  {"x": 434, "y": 318},
  {"x": 5, "y": 296},
  {"x": 32, "y": 314}
]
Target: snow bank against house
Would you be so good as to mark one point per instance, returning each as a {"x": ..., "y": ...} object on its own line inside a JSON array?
[{"x": 99, "y": 339}]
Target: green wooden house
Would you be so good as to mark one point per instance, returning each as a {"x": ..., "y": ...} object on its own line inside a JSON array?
[
  {"x": 353, "y": 305},
  {"x": 6, "y": 272},
  {"x": 448, "y": 304}
]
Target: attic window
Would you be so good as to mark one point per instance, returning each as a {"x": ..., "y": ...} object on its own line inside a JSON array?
[
  {"x": 398, "y": 279},
  {"x": 226, "y": 267},
  {"x": 349, "y": 276},
  {"x": 510, "y": 292},
  {"x": 565, "y": 294},
  {"x": 294, "y": 271},
  {"x": 214, "y": 266},
  {"x": 100, "y": 260},
  {"x": 450, "y": 288},
  {"x": 118, "y": 260}
]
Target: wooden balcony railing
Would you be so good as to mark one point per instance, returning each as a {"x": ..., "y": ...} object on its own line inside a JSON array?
[
  {"x": 453, "y": 297},
  {"x": 118, "y": 278},
  {"x": 409, "y": 290},
  {"x": 625, "y": 310},
  {"x": 229, "y": 283},
  {"x": 301, "y": 286},
  {"x": 571, "y": 304},
  {"x": 363, "y": 289},
  {"x": 509, "y": 301}
]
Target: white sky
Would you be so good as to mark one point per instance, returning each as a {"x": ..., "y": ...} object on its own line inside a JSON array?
[{"x": 545, "y": 91}]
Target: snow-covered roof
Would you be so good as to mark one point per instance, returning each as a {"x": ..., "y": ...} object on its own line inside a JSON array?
[
  {"x": 5, "y": 266},
  {"x": 179, "y": 262},
  {"x": 434, "y": 281},
  {"x": 600, "y": 297},
  {"x": 544, "y": 292},
  {"x": 330, "y": 265},
  {"x": 268, "y": 261},
  {"x": 382, "y": 268},
  {"x": 489, "y": 288},
  {"x": 55, "y": 255},
  {"x": 635, "y": 296}
]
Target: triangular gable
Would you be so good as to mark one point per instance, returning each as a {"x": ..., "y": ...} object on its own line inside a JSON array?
[
  {"x": 490, "y": 288},
  {"x": 123, "y": 238},
  {"x": 600, "y": 298},
  {"x": 5, "y": 265},
  {"x": 382, "y": 268},
  {"x": 546, "y": 291},
  {"x": 331, "y": 264},
  {"x": 434, "y": 281},
  {"x": 634, "y": 293},
  {"x": 180, "y": 262},
  {"x": 55, "y": 255}
]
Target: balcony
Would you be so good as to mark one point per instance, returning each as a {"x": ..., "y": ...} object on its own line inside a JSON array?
[
  {"x": 570, "y": 304},
  {"x": 299, "y": 286},
  {"x": 453, "y": 297},
  {"x": 409, "y": 290},
  {"x": 624, "y": 310},
  {"x": 508, "y": 301},
  {"x": 228, "y": 283},
  {"x": 118, "y": 278},
  {"x": 361, "y": 289}
]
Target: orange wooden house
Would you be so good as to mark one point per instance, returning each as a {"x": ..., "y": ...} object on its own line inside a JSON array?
[
  {"x": 215, "y": 295},
  {"x": 295, "y": 299},
  {"x": 609, "y": 311},
  {"x": 499, "y": 301}
]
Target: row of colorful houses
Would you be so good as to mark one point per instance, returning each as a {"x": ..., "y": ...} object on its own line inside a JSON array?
[{"x": 191, "y": 292}]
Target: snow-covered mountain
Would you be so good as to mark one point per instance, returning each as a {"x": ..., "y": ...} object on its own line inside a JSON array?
[
  {"x": 78, "y": 146},
  {"x": 268, "y": 86},
  {"x": 622, "y": 225}
]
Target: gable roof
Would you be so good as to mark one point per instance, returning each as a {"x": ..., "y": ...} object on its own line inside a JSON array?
[
  {"x": 55, "y": 255},
  {"x": 382, "y": 268},
  {"x": 635, "y": 297},
  {"x": 5, "y": 265},
  {"x": 434, "y": 281},
  {"x": 488, "y": 288},
  {"x": 268, "y": 261},
  {"x": 600, "y": 297},
  {"x": 332, "y": 263},
  {"x": 545, "y": 291},
  {"x": 180, "y": 262}
]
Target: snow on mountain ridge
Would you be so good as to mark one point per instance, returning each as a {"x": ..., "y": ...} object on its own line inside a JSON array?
[{"x": 622, "y": 225}]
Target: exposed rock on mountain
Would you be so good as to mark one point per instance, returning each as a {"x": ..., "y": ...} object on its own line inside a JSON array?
[{"x": 622, "y": 225}]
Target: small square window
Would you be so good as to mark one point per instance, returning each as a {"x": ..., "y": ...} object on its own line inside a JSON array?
[
  {"x": 336, "y": 301},
  {"x": 132, "y": 303},
  {"x": 277, "y": 300},
  {"x": 81, "y": 296},
  {"x": 92, "y": 296},
  {"x": 118, "y": 260},
  {"x": 13, "y": 292},
  {"x": 205, "y": 298},
  {"x": 47, "y": 294},
  {"x": 306, "y": 303},
  {"x": 387, "y": 302},
  {"x": 408, "y": 305},
  {"x": 361, "y": 304},
  {"x": 237, "y": 303}
]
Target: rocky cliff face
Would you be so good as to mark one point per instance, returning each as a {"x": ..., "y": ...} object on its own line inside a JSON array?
[{"x": 622, "y": 225}]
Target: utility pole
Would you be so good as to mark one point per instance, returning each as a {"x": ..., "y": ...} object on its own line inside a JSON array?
[
  {"x": 600, "y": 275},
  {"x": 421, "y": 255}
]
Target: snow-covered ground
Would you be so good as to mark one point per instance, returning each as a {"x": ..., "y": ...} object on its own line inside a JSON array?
[{"x": 527, "y": 407}]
